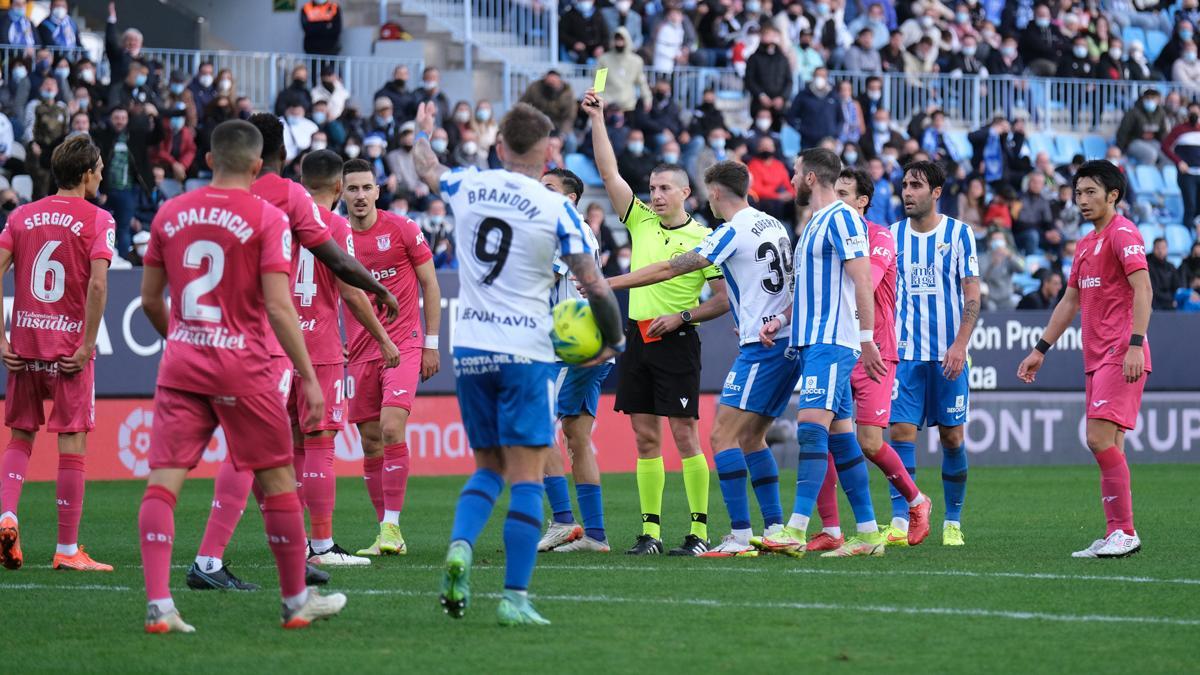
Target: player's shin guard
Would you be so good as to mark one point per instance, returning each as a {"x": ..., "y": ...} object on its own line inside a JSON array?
[
  {"x": 764, "y": 477},
  {"x": 591, "y": 509},
  {"x": 651, "y": 478},
  {"x": 954, "y": 481},
  {"x": 560, "y": 498},
  {"x": 283, "y": 519},
  {"x": 810, "y": 472},
  {"x": 156, "y": 527},
  {"x": 695, "y": 484},
  {"x": 373, "y": 478},
  {"x": 1115, "y": 491},
  {"x": 69, "y": 494},
  {"x": 907, "y": 452},
  {"x": 14, "y": 465},
  {"x": 298, "y": 468},
  {"x": 827, "y": 503},
  {"x": 732, "y": 471},
  {"x": 475, "y": 505},
  {"x": 852, "y": 472},
  {"x": 320, "y": 485},
  {"x": 522, "y": 529},
  {"x": 395, "y": 481},
  {"x": 230, "y": 491}
]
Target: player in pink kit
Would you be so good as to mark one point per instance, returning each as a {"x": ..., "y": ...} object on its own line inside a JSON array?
[
  {"x": 225, "y": 255},
  {"x": 873, "y": 400},
  {"x": 1110, "y": 288},
  {"x": 392, "y": 247},
  {"x": 315, "y": 294},
  {"x": 310, "y": 232},
  {"x": 59, "y": 248}
]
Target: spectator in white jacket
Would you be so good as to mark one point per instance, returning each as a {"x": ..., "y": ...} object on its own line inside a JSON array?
[
  {"x": 332, "y": 91},
  {"x": 1186, "y": 70}
]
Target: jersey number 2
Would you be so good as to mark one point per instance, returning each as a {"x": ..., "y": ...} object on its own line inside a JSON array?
[
  {"x": 493, "y": 250},
  {"x": 193, "y": 258}
]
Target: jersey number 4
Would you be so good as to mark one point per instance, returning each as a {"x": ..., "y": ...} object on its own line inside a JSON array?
[
  {"x": 492, "y": 243},
  {"x": 306, "y": 278}
]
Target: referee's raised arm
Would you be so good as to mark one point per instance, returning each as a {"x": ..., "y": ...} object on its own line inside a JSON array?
[{"x": 619, "y": 192}]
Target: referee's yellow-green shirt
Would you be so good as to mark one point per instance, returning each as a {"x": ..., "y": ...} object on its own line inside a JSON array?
[{"x": 651, "y": 243}]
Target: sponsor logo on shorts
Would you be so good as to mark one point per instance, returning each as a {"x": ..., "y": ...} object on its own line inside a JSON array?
[
  {"x": 730, "y": 384},
  {"x": 960, "y": 406},
  {"x": 812, "y": 390}
]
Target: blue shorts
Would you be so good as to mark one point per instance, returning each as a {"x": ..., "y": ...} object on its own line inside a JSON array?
[
  {"x": 505, "y": 399},
  {"x": 825, "y": 379},
  {"x": 924, "y": 397},
  {"x": 762, "y": 379},
  {"x": 578, "y": 389}
]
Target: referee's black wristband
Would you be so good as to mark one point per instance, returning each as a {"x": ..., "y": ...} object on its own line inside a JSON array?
[
  {"x": 1043, "y": 346},
  {"x": 1136, "y": 340}
]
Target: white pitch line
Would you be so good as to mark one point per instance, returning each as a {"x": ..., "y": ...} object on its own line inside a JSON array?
[{"x": 727, "y": 604}]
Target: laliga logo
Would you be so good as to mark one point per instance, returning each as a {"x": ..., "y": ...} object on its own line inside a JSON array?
[{"x": 133, "y": 439}]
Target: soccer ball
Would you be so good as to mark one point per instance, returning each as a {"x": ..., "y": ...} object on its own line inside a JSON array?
[{"x": 575, "y": 334}]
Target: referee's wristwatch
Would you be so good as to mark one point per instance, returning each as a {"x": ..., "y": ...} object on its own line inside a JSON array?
[{"x": 686, "y": 316}]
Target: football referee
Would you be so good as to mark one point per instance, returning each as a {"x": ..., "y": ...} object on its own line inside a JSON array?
[{"x": 660, "y": 370}]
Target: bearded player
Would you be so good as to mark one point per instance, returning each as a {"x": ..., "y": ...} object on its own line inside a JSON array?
[
  {"x": 59, "y": 248},
  {"x": 392, "y": 248},
  {"x": 1110, "y": 288}
]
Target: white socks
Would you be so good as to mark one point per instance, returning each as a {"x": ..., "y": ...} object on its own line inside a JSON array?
[
  {"x": 900, "y": 524},
  {"x": 798, "y": 522},
  {"x": 320, "y": 546},
  {"x": 67, "y": 549},
  {"x": 207, "y": 563},
  {"x": 834, "y": 532},
  {"x": 867, "y": 527},
  {"x": 391, "y": 517}
]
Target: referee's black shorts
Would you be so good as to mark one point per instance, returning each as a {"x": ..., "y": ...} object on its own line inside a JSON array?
[{"x": 661, "y": 377}]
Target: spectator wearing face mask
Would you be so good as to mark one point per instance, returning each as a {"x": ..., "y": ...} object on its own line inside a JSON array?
[
  {"x": 15, "y": 27},
  {"x": 714, "y": 151},
  {"x": 808, "y": 57},
  {"x": 815, "y": 112},
  {"x": 636, "y": 162},
  {"x": 770, "y": 184},
  {"x": 466, "y": 151},
  {"x": 178, "y": 95},
  {"x": 58, "y": 29},
  {"x": 717, "y": 30},
  {"x": 227, "y": 85},
  {"x": 296, "y": 93},
  {"x": 438, "y": 229},
  {"x": 298, "y": 131},
  {"x": 997, "y": 265},
  {"x": 321, "y": 21},
  {"x": 872, "y": 19},
  {"x": 1041, "y": 44},
  {"x": 582, "y": 32},
  {"x": 334, "y": 130},
  {"x": 401, "y": 164},
  {"x": 769, "y": 77},
  {"x": 440, "y": 143},
  {"x": 923, "y": 24},
  {"x": 1186, "y": 71},
  {"x": 177, "y": 151},
  {"x": 431, "y": 92},
  {"x": 202, "y": 88},
  {"x": 1143, "y": 129},
  {"x": 626, "y": 72},
  {"x": 829, "y": 29},
  {"x": 46, "y": 123},
  {"x": 1183, "y": 35},
  {"x": 331, "y": 90},
  {"x": 483, "y": 123},
  {"x": 134, "y": 89},
  {"x": 460, "y": 121},
  {"x": 403, "y": 99},
  {"x": 621, "y": 15},
  {"x": 383, "y": 122},
  {"x": 374, "y": 149}
]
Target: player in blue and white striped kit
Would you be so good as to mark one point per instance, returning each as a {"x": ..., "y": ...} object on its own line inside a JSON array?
[
  {"x": 937, "y": 296},
  {"x": 832, "y": 319}
]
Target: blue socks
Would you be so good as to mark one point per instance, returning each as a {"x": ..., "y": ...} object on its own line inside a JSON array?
[
  {"x": 732, "y": 471},
  {"x": 475, "y": 505},
  {"x": 522, "y": 530},
  {"x": 908, "y": 455},
  {"x": 810, "y": 474},
  {"x": 560, "y": 499},
  {"x": 954, "y": 480},
  {"x": 764, "y": 477},
  {"x": 591, "y": 508},
  {"x": 852, "y": 472}
]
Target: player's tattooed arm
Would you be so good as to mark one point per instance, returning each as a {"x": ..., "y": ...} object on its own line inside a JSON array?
[
  {"x": 424, "y": 159},
  {"x": 956, "y": 356},
  {"x": 660, "y": 271},
  {"x": 600, "y": 296},
  {"x": 347, "y": 268}
]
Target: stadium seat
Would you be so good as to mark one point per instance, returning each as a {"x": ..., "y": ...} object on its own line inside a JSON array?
[
  {"x": 1094, "y": 147},
  {"x": 1132, "y": 33},
  {"x": 195, "y": 184},
  {"x": 1170, "y": 176},
  {"x": 1148, "y": 180},
  {"x": 1035, "y": 262},
  {"x": 1023, "y": 282},
  {"x": 1039, "y": 143},
  {"x": 1179, "y": 240},
  {"x": 789, "y": 141},
  {"x": 1155, "y": 41},
  {"x": 1150, "y": 233},
  {"x": 1085, "y": 229},
  {"x": 23, "y": 186},
  {"x": 1174, "y": 205},
  {"x": 581, "y": 166},
  {"x": 1065, "y": 147},
  {"x": 171, "y": 187}
]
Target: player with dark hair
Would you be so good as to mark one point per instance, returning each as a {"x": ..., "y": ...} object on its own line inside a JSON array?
[
  {"x": 1110, "y": 289},
  {"x": 937, "y": 292},
  {"x": 59, "y": 248},
  {"x": 872, "y": 399},
  {"x": 225, "y": 255},
  {"x": 503, "y": 356}
]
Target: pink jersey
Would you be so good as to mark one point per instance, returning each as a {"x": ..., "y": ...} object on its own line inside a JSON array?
[
  {"x": 214, "y": 246},
  {"x": 883, "y": 275},
  {"x": 303, "y": 216},
  {"x": 1103, "y": 261},
  {"x": 315, "y": 294},
  {"x": 53, "y": 242},
  {"x": 391, "y": 249}
]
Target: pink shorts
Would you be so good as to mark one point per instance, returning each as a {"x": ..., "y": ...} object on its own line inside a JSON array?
[
  {"x": 331, "y": 377},
  {"x": 1110, "y": 397},
  {"x": 257, "y": 431},
  {"x": 873, "y": 400},
  {"x": 371, "y": 387},
  {"x": 74, "y": 398}
]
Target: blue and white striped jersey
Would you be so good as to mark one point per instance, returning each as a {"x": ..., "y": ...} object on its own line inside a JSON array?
[
  {"x": 930, "y": 268},
  {"x": 564, "y": 288},
  {"x": 824, "y": 309},
  {"x": 752, "y": 250},
  {"x": 510, "y": 229}
]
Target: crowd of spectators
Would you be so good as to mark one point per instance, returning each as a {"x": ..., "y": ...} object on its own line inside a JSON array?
[{"x": 153, "y": 126}]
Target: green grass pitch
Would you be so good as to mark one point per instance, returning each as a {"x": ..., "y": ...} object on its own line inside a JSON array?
[{"x": 1011, "y": 601}]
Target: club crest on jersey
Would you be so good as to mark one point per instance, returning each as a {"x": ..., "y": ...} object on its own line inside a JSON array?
[
  {"x": 942, "y": 246},
  {"x": 383, "y": 242}
]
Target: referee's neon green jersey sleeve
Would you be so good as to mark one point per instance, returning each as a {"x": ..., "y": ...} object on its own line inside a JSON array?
[{"x": 652, "y": 243}]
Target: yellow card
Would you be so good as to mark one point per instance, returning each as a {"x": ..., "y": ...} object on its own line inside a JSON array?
[{"x": 601, "y": 78}]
